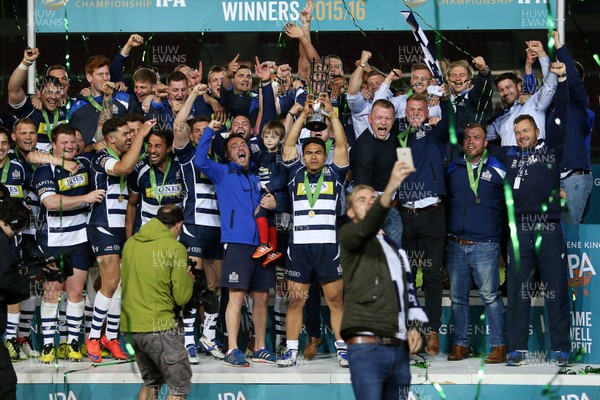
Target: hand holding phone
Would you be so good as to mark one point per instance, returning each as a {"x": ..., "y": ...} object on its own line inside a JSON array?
[{"x": 405, "y": 155}]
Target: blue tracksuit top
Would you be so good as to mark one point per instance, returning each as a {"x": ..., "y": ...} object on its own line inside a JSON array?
[{"x": 238, "y": 192}]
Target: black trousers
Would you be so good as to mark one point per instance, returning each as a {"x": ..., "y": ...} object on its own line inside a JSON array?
[
  {"x": 8, "y": 377},
  {"x": 424, "y": 238},
  {"x": 541, "y": 247}
]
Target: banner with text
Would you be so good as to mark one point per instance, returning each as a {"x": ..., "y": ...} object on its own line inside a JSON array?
[{"x": 89, "y": 16}]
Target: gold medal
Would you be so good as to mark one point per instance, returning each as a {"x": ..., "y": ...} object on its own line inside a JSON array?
[
  {"x": 121, "y": 198},
  {"x": 311, "y": 214}
]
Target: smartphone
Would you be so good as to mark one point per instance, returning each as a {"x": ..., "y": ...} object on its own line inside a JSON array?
[
  {"x": 29, "y": 51},
  {"x": 404, "y": 154}
]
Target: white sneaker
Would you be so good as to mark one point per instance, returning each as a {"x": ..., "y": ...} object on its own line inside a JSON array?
[
  {"x": 192, "y": 354},
  {"x": 212, "y": 347},
  {"x": 289, "y": 359},
  {"x": 27, "y": 348},
  {"x": 342, "y": 357}
]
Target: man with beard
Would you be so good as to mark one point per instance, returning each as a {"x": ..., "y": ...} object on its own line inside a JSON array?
[
  {"x": 156, "y": 181},
  {"x": 510, "y": 89},
  {"x": 201, "y": 232},
  {"x": 51, "y": 91},
  {"x": 475, "y": 201},
  {"x": 106, "y": 228},
  {"x": 533, "y": 172},
  {"x": 238, "y": 191}
]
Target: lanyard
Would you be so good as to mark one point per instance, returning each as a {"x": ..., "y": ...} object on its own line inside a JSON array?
[
  {"x": 328, "y": 146},
  {"x": 474, "y": 182},
  {"x": 403, "y": 136},
  {"x": 48, "y": 126},
  {"x": 313, "y": 196},
  {"x": 144, "y": 152},
  {"x": 155, "y": 191},
  {"x": 5, "y": 169},
  {"x": 94, "y": 103},
  {"x": 121, "y": 178}
]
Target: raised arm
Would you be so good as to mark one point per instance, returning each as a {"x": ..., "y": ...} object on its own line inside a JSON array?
[
  {"x": 295, "y": 32},
  {"x": 180, "y": 127},
  {"x": 340, "y": 151},
  {"x": 118, "y": 63},
  {"x": 267, "y": 106},
  {"x": 356, "y": 78},
  {"x": 232, "y": 68},
  {"x": 303, "y": 60},
  {"x": 577, "y": 94},
  {"x": 290, "y": 150},
  {"x": 16, "y": 93},
  {"x": 128, "y": 160}
]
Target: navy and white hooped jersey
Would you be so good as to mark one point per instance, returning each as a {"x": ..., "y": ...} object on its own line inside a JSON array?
[
  {"x": 26, "y": 110},
  {"x": 62, "y": 227},
  {"x": 200, "y": 205},
  {"x": 315, "y": 224},
  {"x": 171, "y": 192},
  {"x": 15, "y": 178},
  {"x": 29, "y": 194},
  {"x": 110, "y": 213}
]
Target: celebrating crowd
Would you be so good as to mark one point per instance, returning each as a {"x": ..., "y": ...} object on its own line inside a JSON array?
[{"x": 178, "y": 203}]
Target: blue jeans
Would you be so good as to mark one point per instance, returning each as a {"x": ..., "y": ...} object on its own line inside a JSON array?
[
  {"x": 379, "y": 372},
  {"x": 479, "y": 263},
  {"x": 578, "y": 189},
  {"x": 392, "y": 226}
]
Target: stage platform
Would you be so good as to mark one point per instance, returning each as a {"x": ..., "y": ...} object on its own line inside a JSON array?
[{"x": 318, "y": 379}]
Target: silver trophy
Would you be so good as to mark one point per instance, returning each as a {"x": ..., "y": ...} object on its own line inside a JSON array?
[{"x": 318, "y": 83}]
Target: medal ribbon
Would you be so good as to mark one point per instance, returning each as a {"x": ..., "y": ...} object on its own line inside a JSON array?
[
  {"x": 403, "y": 136},
  {"x": 121, "y": 178},
  {"x": 328, "y": 145},
  {"x": 5, "y": 169},
  {"x": 474, "y": 182},
  {"x": 94, "y": 103},
  {"x": 153, "y": 181},
  {"x": 313, "y": 196},
  {"x": 48, "y": 126}
]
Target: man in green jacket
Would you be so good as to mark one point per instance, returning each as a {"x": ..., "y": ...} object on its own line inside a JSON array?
[
  {"x": 380, "y": 302},
  {"x": 155, "y": 279}
]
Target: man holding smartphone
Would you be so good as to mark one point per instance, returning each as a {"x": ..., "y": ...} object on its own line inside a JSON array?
[
  {"x": 422, "y": 208},
  {"x": 380, "y": 301}
]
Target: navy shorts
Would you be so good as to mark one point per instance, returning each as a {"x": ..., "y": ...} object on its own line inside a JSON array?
[
  {"x": 241, "y": 271},
  {"x": 307, "y": 260},
  {"x": 81, "y": 255},
  {"x": 106, "y": 240},
  {"x": 202, "y": 241}
]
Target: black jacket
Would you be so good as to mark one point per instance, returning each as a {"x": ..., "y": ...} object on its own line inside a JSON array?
[
  {"x": 13, "y": 287},
  {"x": 370, "y": 302}
]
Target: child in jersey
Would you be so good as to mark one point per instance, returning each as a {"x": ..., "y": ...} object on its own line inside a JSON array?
[{"x": 272, "y": 180}]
